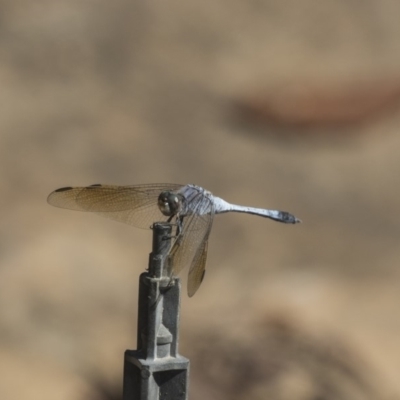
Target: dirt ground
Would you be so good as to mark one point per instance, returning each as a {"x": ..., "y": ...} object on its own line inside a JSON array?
[{"x": 130, "y": 92}]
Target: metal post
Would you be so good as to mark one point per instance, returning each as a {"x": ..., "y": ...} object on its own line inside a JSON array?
[{"x": 155, "y": 370}]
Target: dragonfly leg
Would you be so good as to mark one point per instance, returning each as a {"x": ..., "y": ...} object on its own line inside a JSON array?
[
  {"x": 179, "y": 227},
  {"x": 179, "y": 230},
  {"x": 171, "y": 223}
]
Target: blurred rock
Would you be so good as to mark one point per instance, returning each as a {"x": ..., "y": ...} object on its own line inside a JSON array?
[
  {"x": 279, "y": 361},
  {"x": 316, "y": 105}
]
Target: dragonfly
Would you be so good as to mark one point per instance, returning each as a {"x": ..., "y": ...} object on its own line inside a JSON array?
[{"x": 189, "y": 207}]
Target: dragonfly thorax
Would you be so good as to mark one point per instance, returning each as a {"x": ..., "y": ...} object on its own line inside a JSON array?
[{"x": 170, "y": 203}]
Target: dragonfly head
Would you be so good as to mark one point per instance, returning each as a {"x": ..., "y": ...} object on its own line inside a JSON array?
[{"x": 170, "y": 203}]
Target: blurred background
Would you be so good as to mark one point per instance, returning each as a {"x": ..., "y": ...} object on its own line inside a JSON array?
[{"x": 291, "y": 105}]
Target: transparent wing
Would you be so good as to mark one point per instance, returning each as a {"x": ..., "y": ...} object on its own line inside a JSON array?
[
  {"x": 190, "y": 248},
  {"x": 134, "y": 205},
  {"x": 197, "y": 269}
]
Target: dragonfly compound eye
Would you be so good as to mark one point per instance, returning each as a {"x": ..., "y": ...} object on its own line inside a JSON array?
[{"x": 169, "y": 203}]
